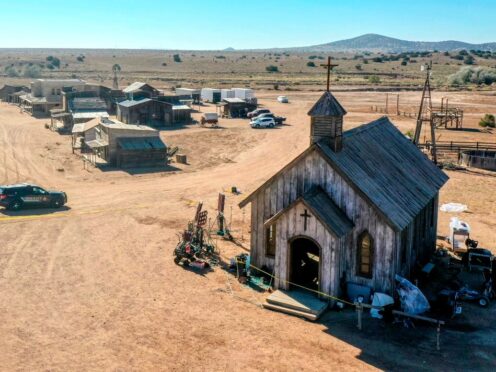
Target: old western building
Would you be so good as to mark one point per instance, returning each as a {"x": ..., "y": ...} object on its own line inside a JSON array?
[{"x": 357, "y": 206}]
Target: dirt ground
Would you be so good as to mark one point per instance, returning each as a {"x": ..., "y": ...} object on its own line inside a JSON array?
[{"x": 94, "y": 286}]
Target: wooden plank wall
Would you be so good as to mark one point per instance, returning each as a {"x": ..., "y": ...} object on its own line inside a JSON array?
[
  {"x": 292, "y": 225},
  {"x": 314, "y": 170}
]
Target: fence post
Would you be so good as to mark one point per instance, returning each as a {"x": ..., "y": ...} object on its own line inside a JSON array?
[
  {"x": 359, "y": 315},
  {"x": 438, "y": 337}
]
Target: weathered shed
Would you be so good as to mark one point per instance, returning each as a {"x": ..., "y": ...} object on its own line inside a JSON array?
[
  {"x": 7, "y": 91},
  {"x": 235, "y": 107},
  {"x": 123, "y": 145},
  {"x": 138, "y": 90},
  {"x": 134, "y": 111}
]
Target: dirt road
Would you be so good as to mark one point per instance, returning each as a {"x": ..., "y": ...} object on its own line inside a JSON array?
[{"x": 94, "y": 286}]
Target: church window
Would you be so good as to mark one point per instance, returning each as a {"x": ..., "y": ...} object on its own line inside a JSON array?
[{"x": 365, "y": 254}]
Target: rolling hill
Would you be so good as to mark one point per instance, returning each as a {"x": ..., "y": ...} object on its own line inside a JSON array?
[{"x": 380, "y": 43}]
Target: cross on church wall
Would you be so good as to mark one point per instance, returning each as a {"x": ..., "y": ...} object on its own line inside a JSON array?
[
  {"x": 306, "y": 216},
  {"x": 329, "y": 66}
]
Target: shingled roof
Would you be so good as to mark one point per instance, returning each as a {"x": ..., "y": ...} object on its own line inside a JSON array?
[
  {"x": 327, "y": 105},
  {"x": 87, "y": 104},
  {"x": 388, "y": 169},
  {"x": 384, "y": 167}
]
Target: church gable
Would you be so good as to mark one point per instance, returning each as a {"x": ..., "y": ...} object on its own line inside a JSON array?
[{"x": 321, "y": 207}]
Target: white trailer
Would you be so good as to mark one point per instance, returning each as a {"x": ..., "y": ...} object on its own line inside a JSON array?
[
  {"x": 243, "y": 93},
  {"x": 227, "y": 93},
  {"x": 187, "y": 91},
  {"x": 210, "y": 95},
  {"x": 193, "y": 93}
]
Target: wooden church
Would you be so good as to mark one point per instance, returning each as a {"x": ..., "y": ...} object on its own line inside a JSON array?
[{"x": 357, "y": 206}]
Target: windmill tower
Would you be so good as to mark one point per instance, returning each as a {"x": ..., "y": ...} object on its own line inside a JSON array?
[
  {"x": 116, "y": 69},
  {"x": 425, "y": 112}
]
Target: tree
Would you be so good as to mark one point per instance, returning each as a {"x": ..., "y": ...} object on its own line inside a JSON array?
[
  {"x": 358, "y": 67},
  {"x": 272, "y": 68},
  {"x": 176, "y": 58},
  {"x": 310, "y": 64},
  {"x": 488, "y": 121}
]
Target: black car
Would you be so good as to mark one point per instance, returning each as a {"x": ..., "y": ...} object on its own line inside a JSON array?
[{"x": 15, "y": 197}]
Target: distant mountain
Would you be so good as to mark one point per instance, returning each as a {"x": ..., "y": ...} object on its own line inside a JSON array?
[
  {"x": 229, "y": 49},
  {"x": 380, "y": 43}
]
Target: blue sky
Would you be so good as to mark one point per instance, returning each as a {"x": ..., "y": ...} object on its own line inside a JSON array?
[{"x": 217, "y": 24}]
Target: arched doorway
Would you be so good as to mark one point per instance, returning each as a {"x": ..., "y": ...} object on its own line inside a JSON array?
[{"x": 305, "y": 263}]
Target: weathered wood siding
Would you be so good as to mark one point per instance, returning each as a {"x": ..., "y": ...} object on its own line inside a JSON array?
[
  {"x": 310, "y": 171},
  {"x": 419, "y": 239},
  {"x": 291, "y": 226}
]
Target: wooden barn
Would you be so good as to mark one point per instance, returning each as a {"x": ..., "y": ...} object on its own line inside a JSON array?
[
  {"x": 355, "y": 207},
  {"x": 135, "y": 111},
  {"x": 139, "y": 90}
]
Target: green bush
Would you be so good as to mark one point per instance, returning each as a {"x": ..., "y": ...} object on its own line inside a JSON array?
[
  {"x": 176, "y": 58},
  {"x": 469, "y": 60},
  {"x": 374, "y": 79},
  {"x": 488, "y": 121},
  {"x": 32, "y": 71},
  {"x": 473, "y": 75},
  {"x": 272, "y": 68},
  {"x": 53, "y": 61},
  {"x": 11, "y": 71},
  {"x": 310, "y": 64}
]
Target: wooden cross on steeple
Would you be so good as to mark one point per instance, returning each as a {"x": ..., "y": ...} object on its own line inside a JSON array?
[{"x": 329, "y": 66}]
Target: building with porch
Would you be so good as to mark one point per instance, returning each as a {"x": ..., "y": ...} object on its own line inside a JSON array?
[
  {"x": 46, "y": 94},
  {"x": 122, "y": 145},
  {"x": 356, "y": 207},
  {"x": 8, "y": 90}
]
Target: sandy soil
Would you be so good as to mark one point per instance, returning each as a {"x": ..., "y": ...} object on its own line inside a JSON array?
[{"x": 94, "y": 286}]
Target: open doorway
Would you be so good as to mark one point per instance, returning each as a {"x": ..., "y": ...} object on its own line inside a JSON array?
[{"x": 305, "y": 263}]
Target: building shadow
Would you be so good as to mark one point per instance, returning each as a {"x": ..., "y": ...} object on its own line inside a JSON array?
[
  {"x": 392, "y": 347},
  {"x": 470, "y": 130},
  {"x": 136, "y": 171},
  {"x": 35, "y": 211},
  {"x": 174, "y": 127}
]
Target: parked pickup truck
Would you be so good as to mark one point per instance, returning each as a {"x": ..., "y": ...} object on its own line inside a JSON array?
[
  {"x": 16, "y": 197},
  {"x": 257, "y": 112},
  {"x": 279, "y": 120}
]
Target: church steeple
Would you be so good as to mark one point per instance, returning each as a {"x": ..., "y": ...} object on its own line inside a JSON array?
[
  {"x": 327, "y": 122},
  {"x": 327, "y": 117}
]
